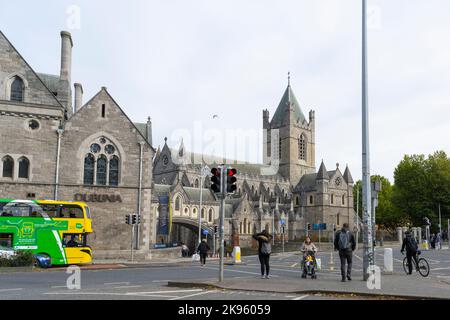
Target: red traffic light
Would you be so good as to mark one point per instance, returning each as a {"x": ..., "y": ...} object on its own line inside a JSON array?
[
  {"x": 215, "y": 172},
  {"x": 231, "y": 172}
]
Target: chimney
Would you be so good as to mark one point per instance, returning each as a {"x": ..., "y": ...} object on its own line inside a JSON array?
[
  {"x": 66, "y": 56},
  {"x": 78, "y": 96},
  {"x": 149, "y": 131}
]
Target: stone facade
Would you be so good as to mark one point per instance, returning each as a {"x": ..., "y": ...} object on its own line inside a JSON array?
[{"x": 59, "y": 140}]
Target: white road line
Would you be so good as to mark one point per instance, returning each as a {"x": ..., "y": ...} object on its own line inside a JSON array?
[
  {"x": 58, "y": 287},
  {"x": 360, "y": 259},
  {"x": 192, "y": 295},
  {"x": 256, "y": 273},
  {"x": 294, "y": 265},
  {"x": 115, "y": 283},
  {"x": 14, "y": 289},
  {"x": 126, "y": 287},
  {"x": 300, "y": 298},
  {"x": 170, "y": 291},
  {"x": 107, "y": 294}
]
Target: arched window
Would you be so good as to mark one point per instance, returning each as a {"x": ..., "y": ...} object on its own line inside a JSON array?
[
  {"x": 253, "y": 190},
  {"x": 24, "y": 168},
  {"x": 8, "y": 167},
  {"x": 297, "y": 201},
  {"x": 343, "y": 199},
  {"x": 177, "y": 203},
  {"x": 186, "y": 211},
  {"x": 89, "y": 161},
  {"x": 311, "y": 199},
  {"x": 210, "y": 215},
  {"x": 17, "y": 89},
  {"x": 302, "y": 147},
  {"x": 249, "y": 228},
  {"x": 245, "y": 225},
  {"x": 337, "y": 219},
  {"x": 196, "y": 185},
  {"x": 279, "y": 149},
  {"x": 332, "y": 198},
  {"x": 114, "y": 171},
  {"x": 240, "y": 227},
  {"x": 101, "y": 170}
]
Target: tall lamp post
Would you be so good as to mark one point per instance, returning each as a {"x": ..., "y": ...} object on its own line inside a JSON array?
[{"x": 366, "y": 188}]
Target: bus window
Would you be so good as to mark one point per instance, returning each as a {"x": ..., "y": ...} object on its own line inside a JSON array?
[
  {"x": 71, "y": 240},
  {"x": 72, "y": 212},
  {"x": 88, "y": 212},
  {"x": 21, "y": 209},
  {"x": 6, "y": 240}
]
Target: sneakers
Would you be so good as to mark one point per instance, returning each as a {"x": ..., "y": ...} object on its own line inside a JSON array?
[
  {"x": 349, "y": 278},
  {"x": 267, "y": 276},
  {"x": 262, "y": 277}
]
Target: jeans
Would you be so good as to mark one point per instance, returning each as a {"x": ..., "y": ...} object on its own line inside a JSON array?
[
  {"x": 346, "y": 257},
  {"x": 264, "y": 260},
  {"x": 409, "y": 256}
]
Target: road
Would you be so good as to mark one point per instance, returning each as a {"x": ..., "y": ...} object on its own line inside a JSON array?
[{"x": 151, "y": 282}]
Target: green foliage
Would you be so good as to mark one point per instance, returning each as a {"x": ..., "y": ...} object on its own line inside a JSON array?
[
  {"x": 421, "y": 184},
  {"x": 21, "y": 259}
]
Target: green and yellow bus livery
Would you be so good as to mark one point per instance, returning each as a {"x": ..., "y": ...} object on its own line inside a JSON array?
[{"x": 56, "y": 229}]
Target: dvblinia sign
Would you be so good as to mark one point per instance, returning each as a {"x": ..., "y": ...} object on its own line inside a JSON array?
[{"x": 83, "y": 197}]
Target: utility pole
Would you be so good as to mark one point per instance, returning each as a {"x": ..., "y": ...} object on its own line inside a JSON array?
[
  {"x": 366, "y": 190},
  {"x": 357, "y": 218}
]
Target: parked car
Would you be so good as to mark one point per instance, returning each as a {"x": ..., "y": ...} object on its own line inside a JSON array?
[{"x": 42, "y": 261}]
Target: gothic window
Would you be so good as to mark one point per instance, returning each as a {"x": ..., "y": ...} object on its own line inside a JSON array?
[
  {"x": 245, "y": 225},
  {"x": 240, "y": 227},
  {"x": 297, "y": 201},
  {"x": 249, "y": 228},
  {"x": 332, "y": 198},
  {"x": 203, "y": 213},
  {"x": 178, "y": 203},
  {"x": 337, "y": 219},
  {"x": 102, "y": 164},
  {"x": 343, "y": 199},
  {"x": 279, "y": 149},
  {"x": 17, "y": 89},
  {"x": 210, "y": 215},
  {"x": 89, "y": 162},
  {"x": 114, "y": 171},
  {"x": 196, "y": 184},
  {"x": 310, "y": 199},
  {"x": 101, "y": 170},
  {"x": 8, "y": 167},
  {"x": 24, "y": 167},
  {"x": 302, "y": 148}
]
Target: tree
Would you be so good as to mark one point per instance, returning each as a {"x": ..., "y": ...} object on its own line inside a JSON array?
[
  {"x": 387, "y": 216},
  {"x": 421, "y": 185}
]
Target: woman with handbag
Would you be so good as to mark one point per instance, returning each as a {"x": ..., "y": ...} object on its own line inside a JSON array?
[{"x": 264, "y": 251}]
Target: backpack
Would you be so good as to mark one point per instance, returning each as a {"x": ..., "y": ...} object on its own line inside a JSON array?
[
  {"x": 344, "y": 242},
  {"x": 266, "y": 248},
  {"x": 411, "y": 244}
]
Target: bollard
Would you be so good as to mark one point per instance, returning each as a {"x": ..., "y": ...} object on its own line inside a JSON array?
[
  {"x": 331, "y": 264},
  {"x": 388, "y": 261},
  {"x": 237, "y": 254},
  {"x": 400, "y": 235}
]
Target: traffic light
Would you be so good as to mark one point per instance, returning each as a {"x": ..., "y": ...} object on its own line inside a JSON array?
[
  {"x": 309, "y": 226},
  {"x": 215, "y": 180},
  {"x": 134, "y": 219},
  {"x": 127, "y": 219},
  {"x": 216, "y": 228},
  {"x": 231, "y": 180}
]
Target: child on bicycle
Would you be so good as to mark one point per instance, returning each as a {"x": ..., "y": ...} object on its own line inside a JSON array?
[{"x": 412, "y": 248}]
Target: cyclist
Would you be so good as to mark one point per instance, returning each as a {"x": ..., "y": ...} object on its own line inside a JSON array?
[{"x": 412, "y": 249}]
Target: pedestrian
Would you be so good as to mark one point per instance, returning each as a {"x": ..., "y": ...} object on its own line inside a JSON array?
[
  {"x": 345, "y": 243},
  {"x": 433, "y": 241},
  {"x": 264, "y": 251},
  {"x": 412, "y": 249},
  {"x": 438, "y": 241},
  {"x": 184, "y": 250},
  {"x": 203, "y": 249}
]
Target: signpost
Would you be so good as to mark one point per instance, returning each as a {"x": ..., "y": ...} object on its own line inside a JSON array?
[{"x": 283, "y": 223}]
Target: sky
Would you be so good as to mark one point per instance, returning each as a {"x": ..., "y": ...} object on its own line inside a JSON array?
[{"x": 182, "y": 62}]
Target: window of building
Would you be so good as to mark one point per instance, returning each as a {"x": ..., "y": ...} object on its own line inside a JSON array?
[
  {"x": 177, "y": 203},
  {"x": 302, "y": 148},
  {"x": 8, "y": 167},
  {"x": 297, "y": 201},
  {"x": 332, "y": 198},
  {"x": 240, "y": 227},
  {"x": 103, "y": 110},
  {"x": 33, "y": 125},
  {"x": 89, "y": 162},
  {"x": 245, "y": 225},
  {"x": 210, "y": 215},
  {"x": 24, "y": 167},
  {"x": 279, "y": 149},
  {"x": 203, "y": 213},
  {"x": 337, "y": 219},
  {"x": 249, "y": 228},
  {"x": 196, "y": 184},
  {"x": 17, "y": 89},
  {"x": 186, "y": 211},
  {"x": 343, "y": 199},
  {"x": 114, "y": 171},
  {"x": 311, "y": 198},
  {"x": 101, "y": 170}
]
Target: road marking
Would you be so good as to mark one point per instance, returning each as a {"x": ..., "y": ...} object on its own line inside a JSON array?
[
  {"x": 300, "y": 298},
  {"x": 126, "y": 287},
  {"x": 360, "y": 259},
  {"x": 294, "y": 265},
  {"x": 115, "y": 283},
  {"x": 170, "y": 291},
  {"x": 107, "y": 294},
  {"x": 14, "y": 289},
  {"x": 161, "y": 280},
  {"x": 57, "y": 287},
  {"x": 192, "y": 295},
  {"x": 256, "y": 273}
]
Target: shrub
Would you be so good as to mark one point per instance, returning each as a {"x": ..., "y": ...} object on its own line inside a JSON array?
[{"x": 21, "y": 259}]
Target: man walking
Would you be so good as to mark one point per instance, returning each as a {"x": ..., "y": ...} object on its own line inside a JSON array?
[
  {"x": 203, "y": 249},
  {"x": 345, "y": 243}
]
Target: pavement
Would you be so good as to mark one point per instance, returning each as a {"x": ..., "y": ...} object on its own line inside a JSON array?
[{"x": 182, "y": 279}]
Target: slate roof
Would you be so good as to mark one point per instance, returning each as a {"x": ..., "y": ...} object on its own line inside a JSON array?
[
  {"x": 281, "y": 113},
  {"x": 50, "y": 80}
]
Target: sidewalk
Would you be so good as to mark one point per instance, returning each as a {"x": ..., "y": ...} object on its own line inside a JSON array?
[{"x": 400, "y": 286}]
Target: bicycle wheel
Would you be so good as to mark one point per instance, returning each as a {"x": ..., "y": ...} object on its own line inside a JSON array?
[
  {"x": 424, "y": 268},
  {"x": 405, "y": 265}
]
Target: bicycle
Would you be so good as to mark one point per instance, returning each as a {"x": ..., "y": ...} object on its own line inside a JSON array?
[{"x": 422, "y": 265}]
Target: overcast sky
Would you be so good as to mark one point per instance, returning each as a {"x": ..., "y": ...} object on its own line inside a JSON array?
[{"x": 181, "y": 62}]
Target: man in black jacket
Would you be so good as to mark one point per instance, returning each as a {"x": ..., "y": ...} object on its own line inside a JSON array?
[
  {"x": 203, "y": 249},
  {"x": 411, "y": 249},
  {"x": 345, "y": 243}
]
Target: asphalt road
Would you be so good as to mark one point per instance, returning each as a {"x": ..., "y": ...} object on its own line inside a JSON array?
[{"x": 151, "y": 282}]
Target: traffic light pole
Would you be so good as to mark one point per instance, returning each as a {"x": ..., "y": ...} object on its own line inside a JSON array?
[
  {"x": 132, "y": 240},
  {"x": 222, "y": 221}
]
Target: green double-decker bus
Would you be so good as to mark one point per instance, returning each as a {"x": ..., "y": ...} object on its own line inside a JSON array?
[{"x": 56, "y": 229}]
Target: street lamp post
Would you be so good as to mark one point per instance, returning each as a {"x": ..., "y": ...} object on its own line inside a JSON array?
[{"x": 366, "y": 200}]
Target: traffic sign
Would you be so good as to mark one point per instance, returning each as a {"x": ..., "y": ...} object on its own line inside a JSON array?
[
  {"x": 205, "y": 232},
  {"x": 282, "y": 222}
]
